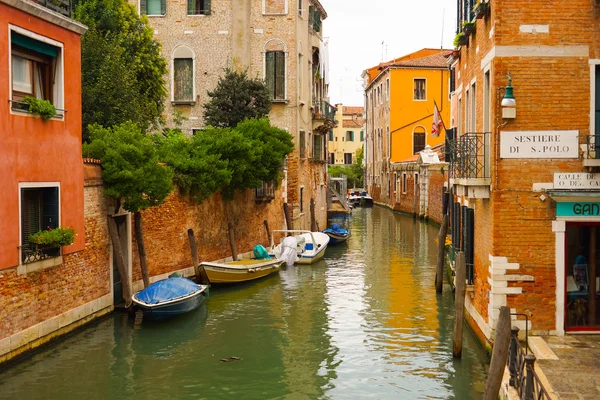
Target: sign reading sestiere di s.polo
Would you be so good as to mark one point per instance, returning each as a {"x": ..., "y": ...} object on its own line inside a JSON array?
[{"x": 539, "y": 144}]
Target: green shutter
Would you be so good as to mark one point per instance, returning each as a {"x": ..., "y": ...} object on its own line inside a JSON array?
[
  {"x": 163, "y": 7},
  {"x": 191, "y": 7},
  {"x": 32, "y": 44},
  {"x": 280, "y": 75},
  {"x": 270, "y": 72},
  {"x": 143, "y": 7}
]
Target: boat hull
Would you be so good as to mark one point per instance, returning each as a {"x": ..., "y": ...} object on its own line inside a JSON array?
[
  {"x": 335, "y": 238},
  {"x": 173, "y": 308},
  {"x": 311, "y": 259},
  {"x": 240, "y": 271}
]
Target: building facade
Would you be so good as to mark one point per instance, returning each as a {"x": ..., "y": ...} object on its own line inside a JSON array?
[
  {"x": 524, "y": 162},
  {"x": 400, "y": 101},
  {"x": 347, "y": 138},
  {"x": 278, "y": 40}
]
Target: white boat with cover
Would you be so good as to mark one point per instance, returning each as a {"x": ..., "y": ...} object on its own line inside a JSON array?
[{"x": 310, "y": 246}]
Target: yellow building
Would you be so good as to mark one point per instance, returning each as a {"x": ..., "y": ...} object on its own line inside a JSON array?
[
  {"x": 400, "y": 97},
  {"x": 347, "y": 138}
]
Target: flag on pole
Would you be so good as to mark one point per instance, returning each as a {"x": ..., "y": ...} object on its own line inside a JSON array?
[{"x": 437, "y": 122}]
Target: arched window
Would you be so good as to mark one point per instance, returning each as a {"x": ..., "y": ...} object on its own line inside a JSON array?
[
  {"x": 183, "y": 88},
  {"x": 275, "y": 68},
  {"x": 418, "y": 139}
]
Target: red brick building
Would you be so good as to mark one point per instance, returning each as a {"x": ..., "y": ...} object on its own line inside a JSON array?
[{"x": 526, "y": 194}]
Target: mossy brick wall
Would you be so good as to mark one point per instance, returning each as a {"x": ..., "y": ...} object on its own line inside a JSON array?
[{"x": 26, "y": 300}]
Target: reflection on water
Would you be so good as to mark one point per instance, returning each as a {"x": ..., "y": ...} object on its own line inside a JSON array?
[{"x": 365, "y": 322}]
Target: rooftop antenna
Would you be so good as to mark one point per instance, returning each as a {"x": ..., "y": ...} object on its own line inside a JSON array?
[
  {"x": 442, "y": 38},
  {"x": 382, "y": 47}
]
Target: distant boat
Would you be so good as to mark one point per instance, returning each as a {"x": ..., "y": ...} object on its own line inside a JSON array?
[
  {"x": 241, "y": 270},
  {"x": 359, "y": 198},
  {"x": 310, "y": 246},
  {"x": 336, "y": 234},
  {"x": 170, "y": 297}
]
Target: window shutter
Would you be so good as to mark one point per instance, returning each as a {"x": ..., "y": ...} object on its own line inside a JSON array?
[
  {"x": 163, "y": 7},
  {"x": 191, "y": 7},
  {"x": 30, "y": 214},
  {"x": 270, "y": 72},
  {"x": 280, "y": 75},
  {"x": 206, "y": 7},
  {"x": 143, "y": 7}
]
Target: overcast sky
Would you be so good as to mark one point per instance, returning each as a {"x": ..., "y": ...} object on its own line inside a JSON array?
[{"x": 355, "y": 30}]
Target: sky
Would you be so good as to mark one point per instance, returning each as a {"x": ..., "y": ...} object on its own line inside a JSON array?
[{"x": 356, "y": 29}]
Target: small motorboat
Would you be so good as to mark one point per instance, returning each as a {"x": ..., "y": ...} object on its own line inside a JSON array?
[
  {"x": 358, "y": 197},
  {"x": 310, "y": 246},
  {"x": 337, "y": 234},
  {"x": 240, "y": 271},
  {"x": 170, "y": 297}
]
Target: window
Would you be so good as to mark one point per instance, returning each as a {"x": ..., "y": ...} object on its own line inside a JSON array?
[
  {"x": 459, "y": 123},
  {"x": 301, "y": 199},
  {"x": 302, "y": 141},
  {"x": 452, "y": 82},
  {"x": 404, "y": 183},
  {"x": 275, "y": 74},
  {"x": 39, "y": 211},
  {"x": 183, "y": 75},
  {"x": 331, "y": 158},
  {"x": 418, "y": 139},
  {"x": 349, "y": 136},
  {"x": 318, "y": 148},
  {"x": 347, "y": 158},
  {"x": 198, "y": 7},
  {"x": 387, "y": 89},
  {"x": 331, "y": 136},
  {"x": 362, "y": 136},
  {"x": 473, "y": 109},
  {"x": 467, "y": 111},
  {"x": 420, "y": 93},
  {"x": 416, "y": 182},
  {"x": 36, "y": 70},
  {"x": 300, "y": 7},
  {"x": 153, "y": 7}
]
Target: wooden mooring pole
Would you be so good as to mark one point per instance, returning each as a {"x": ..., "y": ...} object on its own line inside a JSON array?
[
  {"x": 499, "y": 355},
  {"x": 268, "y": 233},
  {"x": 201, "y": 275},
  {"x": 439, "y": 272},
  {"x": 288, "y": 218},
  {"x": 232, "y": 241},
  {"x": 459, "y": 305}
]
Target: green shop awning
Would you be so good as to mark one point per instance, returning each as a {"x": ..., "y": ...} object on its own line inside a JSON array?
[{"x": 34, "y": 45}]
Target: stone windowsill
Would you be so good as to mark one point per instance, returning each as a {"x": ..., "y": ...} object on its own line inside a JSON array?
[
  {"x": 184, "y": 103},
  {"x": 41, "y": 265},
  {"x": 279, "y": 101}
]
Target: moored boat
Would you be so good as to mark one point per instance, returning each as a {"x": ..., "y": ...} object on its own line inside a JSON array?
[
  {"x": 310, "y": 246},
  {"x": 170, "y": 297},
  {"x": 337, "y": 234},
  {"x": 240, "y": 271}
]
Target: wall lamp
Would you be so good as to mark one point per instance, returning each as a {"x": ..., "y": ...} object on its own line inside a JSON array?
[{"x": 509, "y": 103}]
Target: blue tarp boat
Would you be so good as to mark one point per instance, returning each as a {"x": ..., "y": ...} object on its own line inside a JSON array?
[
  {"x": 336, "y": 234},
  {"x": 170, "y": 297}
]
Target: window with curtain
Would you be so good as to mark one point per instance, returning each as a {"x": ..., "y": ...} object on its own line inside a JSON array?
[
  {"x": 183, "y": 79},
  {"x": 419, "y": 90},
  {"x": 153, "y": 7},
  {"x": 198, "y": 7},
  {"x": 275, "y": 74}
]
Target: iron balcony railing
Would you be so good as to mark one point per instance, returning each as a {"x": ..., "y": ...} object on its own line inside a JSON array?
[
  {"x": 522, "y": 371},
  {"x": 323, "y": 110},
  {"x": 60, "y": 6},
  {"x": 265, "y": 193},
  {"x": 469, "y": 156},
  {"x": 593, "y": 147}
]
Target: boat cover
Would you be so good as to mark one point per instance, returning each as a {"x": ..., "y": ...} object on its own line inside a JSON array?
[
  {"x": 335, "y": 228},
  {"x": 167, "y": 289},
  {"x": 260, "y": 253},
  {"x": 289, "y": 252}
]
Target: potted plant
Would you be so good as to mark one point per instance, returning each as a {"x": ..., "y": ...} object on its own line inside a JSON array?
[
  {"x": 40, "y": 107},
  {"x": 468, "y": 27},
  {"x": 460, "y": 39},
  {"x": 481, "y": 9},
  {"x": 52, "y": 238}
]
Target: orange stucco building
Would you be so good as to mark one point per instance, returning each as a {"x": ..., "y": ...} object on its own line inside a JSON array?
[{"x": 400, "y": 97}]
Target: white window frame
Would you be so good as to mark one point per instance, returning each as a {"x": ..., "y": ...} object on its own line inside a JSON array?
[
  {"x": 473, "y": 105},
  {"x": 264, "y": 8},
  {"x": 415, "y": 79},
  {"x": 155, "y": 15},
  {"x": 58, "y": 88},
  {"x": 178, "y": 52}
]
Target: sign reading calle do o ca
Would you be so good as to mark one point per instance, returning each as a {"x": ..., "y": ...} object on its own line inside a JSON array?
[{"x": 539, "y": 144}]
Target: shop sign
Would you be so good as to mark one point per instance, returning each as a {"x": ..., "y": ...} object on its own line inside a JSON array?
[
  {"x": 574, "y": 209},
  {"x": 539, "y": 144},
  {"x": 576, "y": 180}
]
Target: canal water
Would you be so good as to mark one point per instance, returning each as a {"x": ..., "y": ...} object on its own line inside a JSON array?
[{"x": 364, "y": 323}]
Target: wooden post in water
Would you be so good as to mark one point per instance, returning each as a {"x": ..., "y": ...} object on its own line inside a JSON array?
[
  {"x": 268, "y": 233},
  {"x": 439, "y": 272},
  {"x": 139, "y": 236},
  {"x": 499, "y": 355},
  {"x": 232, "y": 242},
  {"x": 288, "y": 218},
  {"x": 118, "y": 252},
  {"x": 201, "y": 275},
  {"x": 459, "y": 305}
]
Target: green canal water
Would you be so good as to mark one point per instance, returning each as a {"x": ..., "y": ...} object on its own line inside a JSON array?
[{"x": 364, "y": 323}]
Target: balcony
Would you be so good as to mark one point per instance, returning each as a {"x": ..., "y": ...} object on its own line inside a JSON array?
[
  {"x": 265, "y": 193},
  {"x": 60, "y": 6},
  {"x": 591, "y": 152},
  {"x": 469, "y": 159},
  {"x": 323, "y": 115}
]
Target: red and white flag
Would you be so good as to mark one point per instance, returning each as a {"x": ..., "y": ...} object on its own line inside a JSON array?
[{"x": 436, "y": 127}]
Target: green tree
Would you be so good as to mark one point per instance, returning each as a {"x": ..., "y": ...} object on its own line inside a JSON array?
[
  {"x": 122, "y": 66},
  {"x": 236, "y": 98},
  {"x": 134, "y": 177},
  {"x": 354, "y": 173}
]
